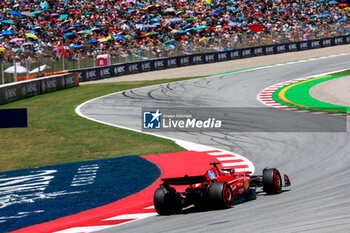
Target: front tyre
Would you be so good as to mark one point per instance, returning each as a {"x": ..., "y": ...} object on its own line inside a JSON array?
[
  {"x": 220, "y": 195},
  {"x": 272, "y": 181}
]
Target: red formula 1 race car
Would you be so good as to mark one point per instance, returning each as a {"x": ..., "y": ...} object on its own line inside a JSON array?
[{"x": 217, "y": 188}]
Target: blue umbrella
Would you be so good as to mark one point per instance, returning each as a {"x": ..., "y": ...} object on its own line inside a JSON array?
[
  {"x": 78, "y": 25},
  {"x": 6, "y": 32},
  {"x": 7, "y": 21},
  {"x": 324, "y": 15},
  {"x": 16, "y": 13},
  {"x": 154, "y": 19},
  {"x": 62, "y": 17},
  {"x": 149, "y": 26},
  {"x": 200, "y": 27},
  {"x": 91, "y": 41},
  {"x": 215, "y": 13},
  {"x": 120, "y": 37},
  {"x": 333, "y": 2},
  {"x": 217, "y": 9},
  {"x": 44, "y": 5},
  {"x": 188, "y": 26},
  {"x": 231, "y": 8},
  {"x": 32, "y": 31},
  {"x": 233, "y": 24},
  {"x": 170, "y": 41},
  {"x": 77, "y": 46},
  {"x": 69, "y": 34},
  {"x": 97, "y": 24},
  {"x": 37, "y": 12}
]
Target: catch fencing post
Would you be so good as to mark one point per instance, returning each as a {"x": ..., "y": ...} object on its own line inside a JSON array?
[
  {"x": 2, "y": 73},
  {"x": 63, "y": 68},
  {"x": 52, "y": 60},
  {"x": 14, "y": 63},
  {"x": 27, "y": 69}
]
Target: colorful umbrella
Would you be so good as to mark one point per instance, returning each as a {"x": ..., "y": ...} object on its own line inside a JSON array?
[
  {"x": 179, "y": 13},
  {"x": 7, "y": 21},
  {"x": 103, "y": 39},
  {"x": 175, "y": 30},
  {"x": 63, "y": 17},
  {"x": 27, "y": 13},
  {"x": 77, "y": 46},
  {"x": 170, "y": 41},
  {"x": 203, "y": 39},
  {"x": 91, "y": 41},
  {"x": 69, "y": 34},
  {"x": 169, "y": 10},
  {"x": 36, "y": 12},
  {"x": 19, "y": 69},
  {"x": 16, "y": 13},
  {"x": 31, "y": 35},
  {"x": 175, "y": 20},
  {"x": 44, "y": 5},
  {"x": 120, "y": 37},
  {"x": 58, "y": 47},
  {"x": 7, "y": 32},
  {"x": 256, "y": 27},
  {"x": 154, "y": 19},
  {"x": 87, "y": 31},
  {"x": 15, "y": 40}
]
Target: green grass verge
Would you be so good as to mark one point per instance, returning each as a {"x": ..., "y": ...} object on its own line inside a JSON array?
[{"x": 56, "y": 134}]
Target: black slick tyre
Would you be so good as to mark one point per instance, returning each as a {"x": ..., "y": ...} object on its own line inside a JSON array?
[
  {"x": 165, "y": 203},
  {"x": 272, "y": 181},
  {"x": 220, "y": 195}
]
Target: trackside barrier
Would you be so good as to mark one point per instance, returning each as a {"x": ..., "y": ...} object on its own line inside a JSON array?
[
  {"x": 20, "y": 90},
  {"x": 96, "y": 73}
]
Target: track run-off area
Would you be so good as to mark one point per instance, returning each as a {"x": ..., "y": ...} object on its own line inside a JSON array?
[{"x": 317, "y": 162}]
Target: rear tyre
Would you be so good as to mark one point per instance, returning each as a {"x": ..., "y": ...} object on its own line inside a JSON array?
[
  {"x": 220, "y": 195},
  {"x": 272, "y": 181},
  {"x": 166, "y": 203}
]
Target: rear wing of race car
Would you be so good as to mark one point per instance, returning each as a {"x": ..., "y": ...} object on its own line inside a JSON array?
[{"x": 186, "y": 180}]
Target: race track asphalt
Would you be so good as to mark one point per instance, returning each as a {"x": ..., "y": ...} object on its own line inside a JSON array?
[{"x": 318, "y": 164}]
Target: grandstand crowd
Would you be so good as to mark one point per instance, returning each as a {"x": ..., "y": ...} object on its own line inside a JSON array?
[{"x": 88, "y": 27}]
